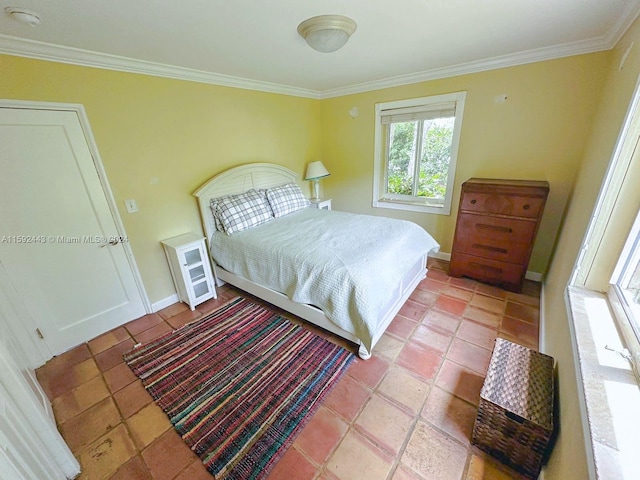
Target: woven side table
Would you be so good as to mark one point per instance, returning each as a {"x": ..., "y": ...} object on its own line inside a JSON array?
[{"x": 515, "y": 412}]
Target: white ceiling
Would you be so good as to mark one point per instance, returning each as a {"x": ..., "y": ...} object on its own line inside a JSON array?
[{"x": 254, "y": 43}]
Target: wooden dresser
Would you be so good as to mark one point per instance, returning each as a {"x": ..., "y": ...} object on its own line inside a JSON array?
[{"x": 495, "y": 230}]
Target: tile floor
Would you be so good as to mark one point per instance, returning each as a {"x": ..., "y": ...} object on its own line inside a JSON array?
[{"x": 405, "y": 414}]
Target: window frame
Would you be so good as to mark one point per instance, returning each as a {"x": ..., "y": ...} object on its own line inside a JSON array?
[{"x": 434, "y": 102}]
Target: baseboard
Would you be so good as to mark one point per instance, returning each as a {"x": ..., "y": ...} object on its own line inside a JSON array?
[
  {"x": 533, "y": 276},
  {"x": 165, "y": 302}
]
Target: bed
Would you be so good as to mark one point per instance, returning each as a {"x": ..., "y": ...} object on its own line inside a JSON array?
[{"x": 346, "y": 273}]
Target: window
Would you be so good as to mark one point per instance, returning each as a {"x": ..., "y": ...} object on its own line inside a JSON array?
[
  {"x": 625, "y": 285},
  {"x": 416, "y": 146}
]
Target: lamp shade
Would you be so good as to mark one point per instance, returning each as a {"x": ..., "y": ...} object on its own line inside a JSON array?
[{"x": 316, "y": 170}]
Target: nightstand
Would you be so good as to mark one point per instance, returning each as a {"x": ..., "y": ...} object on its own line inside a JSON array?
[
  {"x": 321, "y": 204},
  {"x": 190, "y": 268}
]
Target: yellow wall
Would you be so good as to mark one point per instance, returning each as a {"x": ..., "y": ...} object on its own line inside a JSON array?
[
  {"x": 568, "y": 459},
  {"x": 538, "y": 133},
  {"x": 160, "y": 139}
]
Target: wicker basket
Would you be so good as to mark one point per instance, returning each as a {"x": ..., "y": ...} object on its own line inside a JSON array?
[{"x": 515, "y": 413}]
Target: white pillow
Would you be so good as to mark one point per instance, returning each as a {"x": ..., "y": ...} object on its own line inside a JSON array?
[
  {"x": 234, "y": 213},
  {"x": 286, "y": 199}
]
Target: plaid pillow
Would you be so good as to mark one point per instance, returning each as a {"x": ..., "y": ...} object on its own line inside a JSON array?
[
  {"x": 235, "y": 213},
  {"x": 286, "y": 199}
]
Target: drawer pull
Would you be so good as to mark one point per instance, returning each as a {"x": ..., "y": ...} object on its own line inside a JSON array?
[
  {"x": 486, "y": 267},
  {"x": 526, "y": 207},
  {"x": 489, "y": 248},
  {"x": 473, "y": 202},
  {"x": 496, "y": 228}
]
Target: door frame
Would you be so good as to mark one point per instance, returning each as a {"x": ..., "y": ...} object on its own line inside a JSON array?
[{"x": 79, "y": 110}]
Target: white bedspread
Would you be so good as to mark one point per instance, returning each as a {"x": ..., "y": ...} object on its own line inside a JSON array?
[{"x": 348, "y": 265}]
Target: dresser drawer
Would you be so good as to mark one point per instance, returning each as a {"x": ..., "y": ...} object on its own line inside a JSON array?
[
  {"x": 503, "y": 239},
  {"x": 501, "y": 204},
  {"x": 508, "y": 275}
]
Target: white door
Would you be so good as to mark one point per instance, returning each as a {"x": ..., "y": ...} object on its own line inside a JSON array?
[{"x": 59, "y": 240}]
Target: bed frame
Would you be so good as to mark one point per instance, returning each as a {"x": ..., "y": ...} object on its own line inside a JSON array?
[{"x": 267, "y": 175}]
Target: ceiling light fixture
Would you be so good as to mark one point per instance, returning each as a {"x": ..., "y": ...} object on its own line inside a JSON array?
[
  {"x": 327, "y": 33},
  {"x": 23, "y": 15}
]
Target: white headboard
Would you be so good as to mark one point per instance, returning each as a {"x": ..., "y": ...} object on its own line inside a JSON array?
[{"x": 239, "y": 180}]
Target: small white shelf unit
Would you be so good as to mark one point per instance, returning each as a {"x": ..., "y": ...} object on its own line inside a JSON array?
[
  {"x": 321, "y": 204},
  {"x": 190, "y": 268}
]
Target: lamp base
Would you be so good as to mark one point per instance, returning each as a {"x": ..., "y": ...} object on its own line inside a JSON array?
[{"x": 316, "y": 189}]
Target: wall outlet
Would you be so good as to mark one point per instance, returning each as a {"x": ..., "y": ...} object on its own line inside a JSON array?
[{"x": 132, "y": 207}]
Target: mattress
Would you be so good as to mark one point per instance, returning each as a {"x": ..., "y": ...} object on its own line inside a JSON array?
[{"x": 348, "y": 265}]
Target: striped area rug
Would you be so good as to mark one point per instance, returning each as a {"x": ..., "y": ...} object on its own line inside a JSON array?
[{"x": 239, "y": 384}]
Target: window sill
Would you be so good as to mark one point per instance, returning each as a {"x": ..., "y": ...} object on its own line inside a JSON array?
[
  {"x": 611, "y": 397},
  {"x": 412, "y": 207}
]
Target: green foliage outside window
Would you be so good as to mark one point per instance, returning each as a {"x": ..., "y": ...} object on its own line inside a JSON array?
[{"x": 434, "y": 154}]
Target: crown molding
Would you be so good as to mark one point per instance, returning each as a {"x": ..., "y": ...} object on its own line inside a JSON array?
[
  {"x": 504, "y": 61},
  {"x": 45, "y": 51},
  {"x": 74, "y": 56}
]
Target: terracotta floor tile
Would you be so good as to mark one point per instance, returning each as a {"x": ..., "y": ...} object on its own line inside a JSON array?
[
  {"x": 388, "y": 347},
  {"x": 212, "y": 304},
  {"x": 481, "y": 467},
  {"x": 195, "y": 471},
  {"x": 460, "y": 381},
  {"x": 172, "y": 310},
  {"x": 321, "y": 435},
  {"x": 133, "y": 469},
  {"x": 464, "y": 282},
  {"x": 347, "y": 398},
  {"x": 477, "y": 334},
  {"x": 441, "y": 322},
  {"x": 437, "y": 274},
  {"x": 425, "y": 337},
  {"x": 105, "y": 455},
  {"x": 423, "y": 297},
  {"x": 63, "y": 362},
  {"x": 519, "y": 329},
  {"x": 148, "y": 424},
  {"x": 143, "y": 323},
  {"x": 108, "y": 340},
  {"x": 491, "y": 291},
  {"x": 404, "y": 388},
  {"x": 153, "y": 333},
  {"x": 534, "y": 301},
  {"x": 413, "y": 310},
  {"x": 434, "y": 455},
  {"x": 293, "y": 465},
  {"x": 385, "y": 424},
  {"x": 520, "y": 341},
  {"x": 90, "y": 425},
  {"x": 468, "y": 355},
  {"x": 458, "y": 293},
  {"x": 404, "y": 473},
  {"x": 481, "y": 316},
  {"x": 358, "y": 459},
  {"x": 113, "y": 356},
  {"x": 450, "y": 305},
  {"x": 167, "y": 455},
  {"x": 424, "y": 362},
  {"x": 79, "y": 399},
  {"x": 76, "y": 375},
  {"x": 132, "y": 398},
  {"x": 183, "y": 318},
  {"x": 119, "y": 377},
  {"x": 531, "y": 288},
  {"x": 490, "y": 304},
  {"x": 431, "y": 285},
  {"x": 527, "y": 313},
  {"x": 401, "y": 327},
  {"x": 450, "y": 414},
  {"x": 369, "y": 372}
]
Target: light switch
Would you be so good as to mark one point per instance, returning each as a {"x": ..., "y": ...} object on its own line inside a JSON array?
[{"x": 131, "y": 205}]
